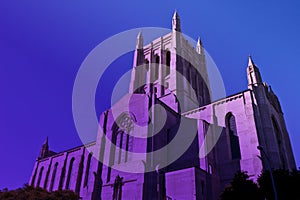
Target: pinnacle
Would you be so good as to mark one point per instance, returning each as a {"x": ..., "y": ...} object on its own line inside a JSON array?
[
  {"x": 250, "y": 61},
  {"x": 140, "y": 41},
  {"x": 175, "y": 16}
]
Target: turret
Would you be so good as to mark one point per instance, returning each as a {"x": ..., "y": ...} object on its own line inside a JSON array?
[
  {"x": 139, "y": 51},
  {"x": 176, "y": 22},
  {"x": 139, "y": 41},
  {"x": 199, "y": 47},
  {"x": 137, "y": 77},
  {"x": 253, "y": 74}
]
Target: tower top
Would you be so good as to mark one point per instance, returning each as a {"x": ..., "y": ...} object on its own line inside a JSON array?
[
  {"x": 45, "y": 149},
  {"x": 199, "y": 47},
  {"x": 254, "y": 77},
  {"x": 139, "y": 41},
  {"x": 46, "y": 142},
  {"x": 176, "y": 22},
  {"x": 250, "y": 61}
]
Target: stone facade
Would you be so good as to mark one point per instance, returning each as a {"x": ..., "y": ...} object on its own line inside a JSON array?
[{"x": 240, "y": 122}]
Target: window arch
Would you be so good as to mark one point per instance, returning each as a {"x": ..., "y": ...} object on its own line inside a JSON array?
[
  {"x": 233, "y": 136},
  {"x": 87, "y": 170},
  {"x": 34, "y": 176},
  {"x": 53, "y": 176},
  {"x": 69, "y": 173},
  {"x": 40, "y": 177},
  {"x": 121, "y": 138}
]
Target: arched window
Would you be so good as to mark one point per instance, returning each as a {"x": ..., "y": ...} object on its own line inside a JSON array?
[
  {"x": 53, "y": 176},
  {"x": 123, "y": 141},
  {"x": 168, "y": 62},
  {"x": 87, "y": 170},
  {"x": 40, "y": 177},
  {"x": 156, "y": 68},
  {"x": 279, "y": 141},
  {"x": 146, "y": 70},
  {"x": 233, "y": 136},
  {"x": 121, "y": 138},
  {"x": 120, "y": 143},
  {"x": 34, "y": 176},
  {"x": 69, "y": 173}
]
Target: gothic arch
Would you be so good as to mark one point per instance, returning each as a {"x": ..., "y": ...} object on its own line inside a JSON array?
[
  {"x": 87, "y": 169},
  {"x": 121, "y": 138},
  {"x": 231, "y": 131},
  {"x": 40, "y": 177},
  {"x": 122, "y": 128},
  {"x": 53, "y": 176},
  {"x": 70, "y": 173}
]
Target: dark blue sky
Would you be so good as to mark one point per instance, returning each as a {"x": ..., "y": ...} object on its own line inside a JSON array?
[{"x": 43, "y": 43}]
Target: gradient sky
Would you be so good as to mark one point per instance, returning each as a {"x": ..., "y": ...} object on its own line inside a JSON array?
[{"x": 43, "y": 43}]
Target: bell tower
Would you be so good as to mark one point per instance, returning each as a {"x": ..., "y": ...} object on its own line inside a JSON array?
[{"x": 172, "y": 69}]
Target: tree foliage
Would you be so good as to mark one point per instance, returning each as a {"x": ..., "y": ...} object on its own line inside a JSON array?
[
  {"x": 286, "y": 182},
  {"x": 32, "y": 193},
  {"x": 241, "y": 187}
]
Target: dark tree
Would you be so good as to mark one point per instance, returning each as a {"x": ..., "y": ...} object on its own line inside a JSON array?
[
  {"x": 241, "y": 187},
  {"x": 32, "y": 193},
  {"x": 287, "y": 184}
]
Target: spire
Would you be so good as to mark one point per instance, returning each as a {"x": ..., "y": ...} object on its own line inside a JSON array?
[
  {"x": 45, "y": 149},
  {"x": 137, "y": 75},
  {"x": 199, "y": 47},
  {"x": 176, "y": 22},
  {"x": 139, "y": 41},
  {"x": 46, "y": 142},
  {"x": 250, "y": 61},
  {"x": 254, "y": 77}
]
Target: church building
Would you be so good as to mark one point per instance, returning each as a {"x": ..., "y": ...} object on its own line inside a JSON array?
[{"x": 191, "y": 146}]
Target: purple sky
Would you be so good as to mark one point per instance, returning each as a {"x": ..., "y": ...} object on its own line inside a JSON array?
[{"x": 43, "y": 43}]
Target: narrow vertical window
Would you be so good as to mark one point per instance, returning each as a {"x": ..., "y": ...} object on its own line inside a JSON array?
[
  {"x": 156, "y": 69},
  {"x": 122, "y": 141},
  {"x": 168, "y": 63},
  {"x": 121, "y": 134},
  {"x": 87, "y": 170},
  {"x": 127, "y": 146},
  {"x": 34, "y": 176},
  {"x": 53, "y": 176},
  {"x": 69, "y": 173},
  {"x": 233, "y": 136},
  {"x": 188, "y": 72},
  {"x": 202, "y": 187},
  {"x": 187, "y": 77},
  {"x": 62, "y": 175},
  {"x": 40, "y": 177},
  {"x": 279, "y": 142},
  {"x": 146, "y": 71},
  {"x": 112, "y": 155}
]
